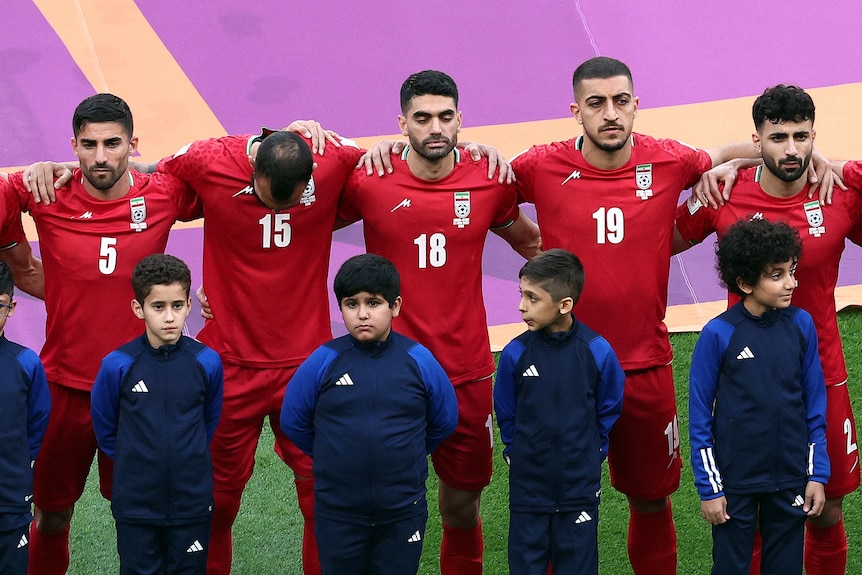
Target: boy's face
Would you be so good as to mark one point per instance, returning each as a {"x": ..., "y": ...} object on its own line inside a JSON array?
[
  {"x": 368, "y": 316},
  {"x": 165, "y": 311},
  {"x": 773, "y": 289},
  {"x": 7, "y": 306},
  {"x": 540, "y": 311}
]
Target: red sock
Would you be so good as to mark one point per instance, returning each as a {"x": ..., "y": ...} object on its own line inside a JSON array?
[
  {"x": 49, "y": 554},
  {"x": 826, "y": 549},
  {"x": 652, "y": 542},
  {"x": 310, "y": 556},
  {"x": 461, "y": 551},
  {"x": 756, "y": 554},
  {"x": 220, "y": 554}
]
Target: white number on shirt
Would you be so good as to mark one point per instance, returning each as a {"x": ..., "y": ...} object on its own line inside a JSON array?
[
  {"x": 108, "y": 256},
  {"x": 610, "y": 225},
  {"x": 848, "y": 431},
  {"x": 672, "y": 434},
  {"x": 432, "y": 250},
  {"x": 276, "y": 230},
  {"x": 489, "y": 423}
]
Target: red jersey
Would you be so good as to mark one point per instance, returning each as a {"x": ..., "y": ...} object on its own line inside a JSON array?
[
  {"x": 11, "y": 230},
  {"x": 434, "y": 232},
  {"x": 89, "y": 248},
  {"x": 620, "y": 224},
  {"x": 822, "y": 230},
  {"x": 264, "y": 272}
]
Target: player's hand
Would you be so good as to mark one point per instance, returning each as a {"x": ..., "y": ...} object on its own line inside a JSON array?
[
  {"x": 823, "y": 176},
  {"x": 715, "y": 510},
  {"x": 206, "y": 311},
  {"x": 378, "y": 159},
  {"x": 708, "y": 191},
  {"x": 495, "y": 160},
  {"x": 39, "y": 180},
  {"x": 815, "y": 498},
  {"x": 313, "y": 130}
]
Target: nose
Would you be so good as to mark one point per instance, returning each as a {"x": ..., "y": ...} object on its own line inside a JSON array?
[
  {"x": 522, "y": 305},
  {"x": 436, "y": 126},
  {"x": 610, "y": 111},
  {"x": 169, "y": 315},
  {"x": 101, "y": 156},
  {"x": 791, "y": 148},
  {"x": 363, "y": 312}
]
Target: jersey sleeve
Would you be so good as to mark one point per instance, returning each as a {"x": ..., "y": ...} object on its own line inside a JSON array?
[
  {"x": 189, "y": 205},
  {"x": 11, "y": 230},
  {"x": 703, "y": 385},
  {"x": 105, "y": 400},
  {"x": 505, "y": 394},
  {"x": 525, "y": 165},
  {"x": 215, "y": 388},
  {"x": 300, "y": 399},
  {"x": 442, "y": 407},
  {"x": 814, "y": 396},
  {"x": 507, "y": 210},
  {"x": 38, "y": 400},
  {"x": 348, "y": 203},
  {"x": 609, "y": 393},
  {"x": 695, "y": 221},
  {"x": 692, "y": 161}
]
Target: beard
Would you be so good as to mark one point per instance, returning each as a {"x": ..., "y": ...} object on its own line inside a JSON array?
[
  {"x": 606, "y": 145},
  {"x": 433, "y": 154},
  {"x": 103, "y": 181},
  {"x": 783, "y": 174}
]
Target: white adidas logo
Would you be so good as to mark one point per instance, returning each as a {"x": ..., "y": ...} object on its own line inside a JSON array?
[
  {"x": 583, "y": 518},
  {"x": 415, "y": 538},
  {"x": 195, "y": 547},
  {"x": 746, "y": 353},
  {"x": 140, "y": 387},
  {"x": 799, "y": 501},
  {"x": 344, "y": 380},
  {"x": 23, "y": 541},
  {"x": 531, "y": 372}
]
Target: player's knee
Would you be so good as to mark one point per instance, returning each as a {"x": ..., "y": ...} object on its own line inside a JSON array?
[
  {"x": 53, "y": 522},
  {"x": 830, "y": 515},
  {"x": 648, "y": 505},
  {"x": 459, "y": 509}
]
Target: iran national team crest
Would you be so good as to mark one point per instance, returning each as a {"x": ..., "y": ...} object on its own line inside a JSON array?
[
  {"x": 462, "y": 209},
  {"x": 139, "y": 214},
  {"x": 308, "y": 196},
  {"x": 643, "y": 177},
  {"x": 814, "y": 215}
]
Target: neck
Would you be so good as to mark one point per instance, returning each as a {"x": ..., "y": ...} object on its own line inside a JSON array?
[
  {"x": 604, "y": 160},
  {"x": 430, "y": 169}
]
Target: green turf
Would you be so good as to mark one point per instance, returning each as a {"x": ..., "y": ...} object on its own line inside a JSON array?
[{"x": 268, "y": 531}]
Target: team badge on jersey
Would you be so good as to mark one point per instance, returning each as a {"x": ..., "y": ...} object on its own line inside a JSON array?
[
  {"x": 308, "y": 196},
  {"x": 643, "y": 177},
  {"x": 814, "y": 215},
  {"x": 462, "y": 209},
  {"x": 139, "y": 214}
]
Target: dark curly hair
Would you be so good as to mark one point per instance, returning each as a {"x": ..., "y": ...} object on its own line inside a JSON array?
[
  {"x": 782, "y": 103},
  {"x": 751, "y": 245},
  {"x": 159, "y": 269}
]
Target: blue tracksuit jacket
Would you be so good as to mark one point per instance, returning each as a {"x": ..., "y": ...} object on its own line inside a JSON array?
[
  {"x": 369, "y": 415},
  {"x": 557, "y": 397},
  {"x": 757, "y": 404},
  {"x": 155, "y": 412}
]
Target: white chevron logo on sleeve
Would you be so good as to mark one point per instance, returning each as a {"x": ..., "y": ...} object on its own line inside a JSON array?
[
  {"x": 195, "y": 547},
  {"x": 140, "y": 387},
  {"x": 746, "y": 353},
  {"x": 531, "y": 372},
  {"x": 344, "y": 380},
  {"x": 415, "y": 538}
]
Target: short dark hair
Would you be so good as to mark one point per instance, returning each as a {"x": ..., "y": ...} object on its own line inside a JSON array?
[
  {"x": 7, "y": 282},
  {"x": 749, "y": 246},
  {"x": 559, "y": 272},
  {"x": 159, "y": 269},
  {"x": 431, "y": 82},
  {"x": 600, "y": 67},
  {"x": 782, "y": 103},
  {"x": 285, "y": 159},
  {"x": 370, "y": 273},
  {"x": 102, "y": 108}
]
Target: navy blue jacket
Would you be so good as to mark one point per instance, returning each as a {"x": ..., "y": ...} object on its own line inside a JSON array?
[
  {"x": 25, "y": 403},
  {"x": 757, "y": 404},
  {"x": 557, "y": 397},
  {"x": 369, "y": 415},
  {"x": 155, "y": 412}
]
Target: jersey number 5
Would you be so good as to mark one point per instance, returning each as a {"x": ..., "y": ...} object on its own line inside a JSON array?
[
  {"x": 108, "y": 256},
  {"x": 276, "y": 230}
]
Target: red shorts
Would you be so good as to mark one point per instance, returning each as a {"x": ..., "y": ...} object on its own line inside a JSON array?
[
  {"x": 643, "y": 455},
  {"x": 67, "y": 452},
  {"x": 250, "y": 395},
  {"x": 841, "y": 442},
  {"x": 463, "y": 460}
]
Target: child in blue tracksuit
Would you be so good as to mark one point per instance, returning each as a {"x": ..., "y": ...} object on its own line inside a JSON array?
[
  {"x": 368, "y": 408},
  {"x": 558, "y": 392},
  {"x": 24, "y": 406},
  {"x": 155, "y": 404},
  {"x": 757, "y": 406}
]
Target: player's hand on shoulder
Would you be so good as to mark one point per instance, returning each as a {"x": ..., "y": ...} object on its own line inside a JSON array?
[
  {"x": 40, "y": 177},
  {"x": 319, "y": 136},
  {"x": 206, "y": 310},
  {"x": 823, "y": 177},
  {"x": 497, "y": 164},
  {"x": 715, "y": 510},
  {"x": 378, "y": 159}
]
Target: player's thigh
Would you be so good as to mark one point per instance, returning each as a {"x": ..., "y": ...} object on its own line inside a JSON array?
[
  {"x": 15, "y": 550},
  {"x": 343, "y": 547},
  {"x": 293, "y": 456},
  {"x": 841, "y": 442},
  {"x": 397, "y": 547},
  {"x": 529, "y": 543},
  {"x": 733, "y": 541},
  {"x": 574, "y": 541},
  {"x": 140, "y": 548},
  {"x": 67, "y": 451},
  {"x": 186, "y": 549},
  {"x": 463, "y": 460},
  {"x": 643, "y": 456}
]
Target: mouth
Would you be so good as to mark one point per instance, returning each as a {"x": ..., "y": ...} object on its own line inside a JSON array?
[{"x": 611, "y": 128}]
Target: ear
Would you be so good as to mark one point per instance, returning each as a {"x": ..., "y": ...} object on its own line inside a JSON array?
[
  {"x": 755, "y": 137},
  {"x": 813, "y": 134},
  {"x": 133, "y": 145},
  {"x": 139, "y": 311},
  {"x": 744, "y": 286},
  {"x": 576, "y": 112},
  {"x": 74, "y": 141},
  {"x": 460, "y": 120},
  {"x": 635, "y": 101},
  {"x": 396, "y": 307},
  {"x": 402, "y": 124},
  {"x": 566, "y": 305}
]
